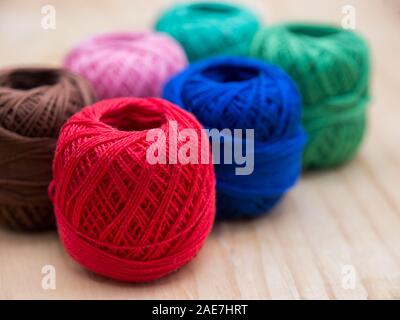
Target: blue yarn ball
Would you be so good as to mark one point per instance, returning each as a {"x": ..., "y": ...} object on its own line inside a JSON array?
[{"x": 243, "y": 93}]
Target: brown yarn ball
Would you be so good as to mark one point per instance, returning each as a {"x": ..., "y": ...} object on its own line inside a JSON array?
[{"x": 34, "y": 104}]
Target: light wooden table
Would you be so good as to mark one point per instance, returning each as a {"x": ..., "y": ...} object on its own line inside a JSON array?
[{"x": 332, "y": 226}]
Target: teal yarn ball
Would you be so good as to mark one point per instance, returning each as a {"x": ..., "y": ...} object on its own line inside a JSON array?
[
  {"x": 331, "y": 68},
  {"x": 210, "y": 28}
]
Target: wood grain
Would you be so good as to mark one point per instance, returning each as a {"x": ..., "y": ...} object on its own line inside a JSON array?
[{"x": 344, "y": 217}]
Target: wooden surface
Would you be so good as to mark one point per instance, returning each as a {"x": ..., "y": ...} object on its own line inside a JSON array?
[{"x": 332, "y": 221}]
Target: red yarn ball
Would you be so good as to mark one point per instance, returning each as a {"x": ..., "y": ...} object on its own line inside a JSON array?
[{"x": 117, "y": 214}]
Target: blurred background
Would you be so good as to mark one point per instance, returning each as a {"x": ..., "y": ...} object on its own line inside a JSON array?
[{"x": 336, "y": 235}]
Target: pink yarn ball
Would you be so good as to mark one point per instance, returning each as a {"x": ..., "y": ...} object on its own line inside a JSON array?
[{"x": 127, "y": 64}]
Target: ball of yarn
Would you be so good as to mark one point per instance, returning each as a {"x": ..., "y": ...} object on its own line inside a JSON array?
[
  {"x": 117, "y": 214},
  {"x": 210, "y": 28},
  {"x": 127, "y": 64},
  {"x": 331, "y": 68},
  {"x": 34, "y": 103},
  {"x": 242, "y": 93}
]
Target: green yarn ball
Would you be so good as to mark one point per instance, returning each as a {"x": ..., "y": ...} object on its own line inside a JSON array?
[
  {"x": 331, "y": 68},
  {"x": 210, "y": 28}
]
